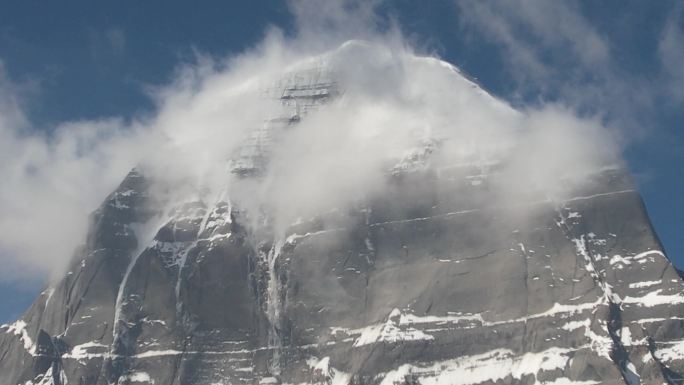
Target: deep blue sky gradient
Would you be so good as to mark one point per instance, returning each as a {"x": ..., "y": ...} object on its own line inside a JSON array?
[{"x": 81, "y": 60}]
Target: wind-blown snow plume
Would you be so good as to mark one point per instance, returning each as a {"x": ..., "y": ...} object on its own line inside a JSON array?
[{"x": 391, "y": 104}]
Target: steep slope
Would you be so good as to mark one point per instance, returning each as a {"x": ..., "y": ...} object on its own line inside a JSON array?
[
  {"x": 446, "y": 277},
  {"x": 444, "y": 291}
]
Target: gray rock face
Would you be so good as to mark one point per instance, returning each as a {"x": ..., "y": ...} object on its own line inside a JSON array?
[
  {"x": 430, "y": 283},
  {"x": 445, "y": 290}
]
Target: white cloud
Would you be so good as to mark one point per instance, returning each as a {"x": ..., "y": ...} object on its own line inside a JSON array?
[
  {"x": 116, "y": 39},
  {"x": 391, "y": 100},
  {"x": 553, "y": 52},
  {"x": 540, "y": 38},
  {"x": 49, "y": 187},
  {"x": 671, "y": 51}
]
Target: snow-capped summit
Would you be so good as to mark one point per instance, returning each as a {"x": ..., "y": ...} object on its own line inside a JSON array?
[{"x": 451, "y": 272}]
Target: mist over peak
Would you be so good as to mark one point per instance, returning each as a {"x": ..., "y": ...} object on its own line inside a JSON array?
[
  {"x": 336, "y": 204},
  {"x": 320, "y": 132},
  {"x": 365, "y": 108}
]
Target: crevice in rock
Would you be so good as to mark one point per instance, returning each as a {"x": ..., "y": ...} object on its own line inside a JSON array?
[{"x": 619, "y": 353}]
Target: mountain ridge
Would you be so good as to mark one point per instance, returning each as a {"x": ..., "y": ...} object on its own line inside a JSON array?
[{"x": 454, "y": 268}]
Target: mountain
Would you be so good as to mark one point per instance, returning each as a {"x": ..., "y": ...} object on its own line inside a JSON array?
[{"x": 433, "y": 281}]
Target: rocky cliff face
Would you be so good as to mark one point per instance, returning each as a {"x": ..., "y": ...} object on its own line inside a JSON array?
[
  {"x": 427, "y": 283},
  {"x": 447, "y": 290}
]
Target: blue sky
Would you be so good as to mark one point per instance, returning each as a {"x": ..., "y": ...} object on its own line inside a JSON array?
[{"x": 618, "y": 60}]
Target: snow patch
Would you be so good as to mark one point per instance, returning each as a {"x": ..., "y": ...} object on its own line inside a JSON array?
[
  {"x": 491, "y": 366},
  {"x": 639, "y": 285},
  {"x": 617, "y": 259},
  {"x": 670, "y": 352},
  {"x": 654, "y": 298},
  {"x": 83, "y": 351},
  {"x": 323, "y": 372},
  {"x": 142, "y": 377},
  {"x": 391, "y": 331},
  {"x": 18, "y": 328}
]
